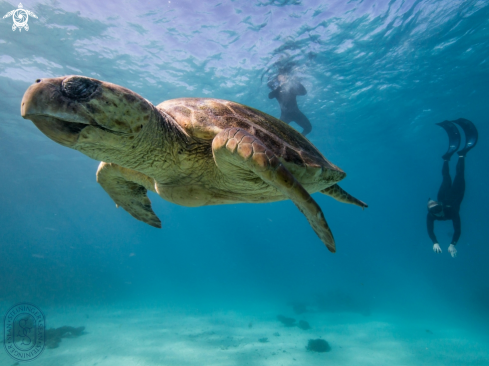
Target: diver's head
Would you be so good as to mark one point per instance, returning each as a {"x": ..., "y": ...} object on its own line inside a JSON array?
[
  {"x": 435, "y": 208},
  {"x": 273, "y": 83},
  {"x": 286, "y": 66}
]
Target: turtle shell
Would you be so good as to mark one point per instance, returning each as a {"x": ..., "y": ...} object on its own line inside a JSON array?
[{"x": 206, "y": 117}]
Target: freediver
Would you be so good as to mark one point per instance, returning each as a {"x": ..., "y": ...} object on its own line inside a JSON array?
[
  {"x": 286, "y": 89},
  {"x": 450, "y": 195}
]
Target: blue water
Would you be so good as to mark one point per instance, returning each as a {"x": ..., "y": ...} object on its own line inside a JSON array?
[{"x": 379, "y": 76}]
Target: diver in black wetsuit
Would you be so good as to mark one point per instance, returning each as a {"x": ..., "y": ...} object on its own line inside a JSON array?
[
  {"x": 286, "y": 89},
  {"x": 450, "y": 195}
]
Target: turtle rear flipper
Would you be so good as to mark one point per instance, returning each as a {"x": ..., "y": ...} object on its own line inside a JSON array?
[
  {"x": 236, "y": 147},
  {"x": 341, "y": 195},
  {"x": 128, "y": 188}
]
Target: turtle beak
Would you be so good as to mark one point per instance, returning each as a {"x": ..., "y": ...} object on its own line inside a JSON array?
[
  {"x": 42, "y": 104},
  {"x": 30, "y": 104},
  {"x": 45, "y": 97}
]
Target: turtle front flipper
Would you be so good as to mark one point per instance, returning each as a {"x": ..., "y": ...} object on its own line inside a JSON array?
[
  {"x": 236, "y": 147},
  {"x": 128, "y": 188},
  {"x": 341, "y": 195}
]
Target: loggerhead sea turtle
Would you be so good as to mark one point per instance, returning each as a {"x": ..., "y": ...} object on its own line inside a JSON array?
[{"x": 190, "y": 151}]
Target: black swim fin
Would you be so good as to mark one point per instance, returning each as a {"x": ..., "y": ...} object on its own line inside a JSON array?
[
  {"x": 471, "y": 135},
  {"x": 453, "y": 138}
]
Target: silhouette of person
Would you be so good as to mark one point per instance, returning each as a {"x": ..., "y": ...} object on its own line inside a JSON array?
[
  {"x": 451, "y": 194},
  {"x": 285, "y": 89}
]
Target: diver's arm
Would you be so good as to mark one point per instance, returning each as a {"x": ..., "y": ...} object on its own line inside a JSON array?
[
  {"x": 299, "y": 89},
  {"x": 273, "y": 94},
  {"x": 456, "y": 235},
  {"x": 430, "y": 222},
  {"x": 457, "y": 228}
]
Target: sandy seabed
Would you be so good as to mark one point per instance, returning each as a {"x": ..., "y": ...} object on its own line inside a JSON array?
[{"x": 144, "y": 337}]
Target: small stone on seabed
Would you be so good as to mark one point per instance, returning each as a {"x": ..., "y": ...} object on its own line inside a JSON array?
[{"x": 304, "y": 325}]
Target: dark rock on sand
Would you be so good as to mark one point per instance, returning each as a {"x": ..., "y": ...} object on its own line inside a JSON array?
[
  {"x": 288, "y": 322},
  {"x": 54, "y": 335},
  {"x": 304, "y": 325},
  {"x": 318, "y": 345}
]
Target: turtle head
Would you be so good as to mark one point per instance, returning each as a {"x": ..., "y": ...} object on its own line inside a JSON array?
[
  {"x": 435, "y": 208},
  {"x": 92, "y": 116}
]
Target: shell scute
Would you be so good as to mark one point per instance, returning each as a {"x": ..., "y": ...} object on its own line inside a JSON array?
[{"x": 214, "y": 115}]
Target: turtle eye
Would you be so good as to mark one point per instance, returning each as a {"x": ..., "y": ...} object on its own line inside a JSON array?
[{"x": 79, "y": 87}]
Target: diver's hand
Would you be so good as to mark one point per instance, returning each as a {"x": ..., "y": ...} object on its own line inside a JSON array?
[
  {"x": 436, "y": 248},
  {"x": 452, "y": 250}
]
